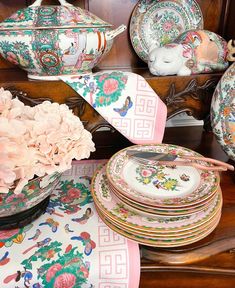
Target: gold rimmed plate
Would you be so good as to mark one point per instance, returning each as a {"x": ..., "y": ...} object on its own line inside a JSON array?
[
  {"x": 138, "y": 220},
  {"x": 167, "y": 243},
  {"x": 160, "y": 185}
]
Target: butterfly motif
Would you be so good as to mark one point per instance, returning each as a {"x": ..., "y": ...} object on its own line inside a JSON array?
[
  {"x": 124, "y": 109},
  {"x": 36, "y": 235},
  {"x": 85, "y": 238},
  {"x": 83, "y": 220},
  {"x": 51, "y": 223}
]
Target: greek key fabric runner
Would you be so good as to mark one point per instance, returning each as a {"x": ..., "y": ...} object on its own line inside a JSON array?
[
  {"x": 126, "y": 101},
  {"x": 69, "y": 246}
]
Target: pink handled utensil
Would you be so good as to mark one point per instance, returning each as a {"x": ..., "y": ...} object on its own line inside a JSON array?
[{"x": 154, "y": 158}]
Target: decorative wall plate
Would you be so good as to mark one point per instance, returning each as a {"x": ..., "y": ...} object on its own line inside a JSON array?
[
  {"x": 157, "y": 22},
  {"x": 164, "y": 186},
  {"x": 223, "y": 112},
  {"x": 115, "y": 209}
]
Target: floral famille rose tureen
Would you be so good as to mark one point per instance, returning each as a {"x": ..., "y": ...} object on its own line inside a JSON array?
[{"x": 48, "y": 41}]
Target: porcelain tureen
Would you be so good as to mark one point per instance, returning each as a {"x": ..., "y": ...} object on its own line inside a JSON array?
[{"x": 48, "y": 41}]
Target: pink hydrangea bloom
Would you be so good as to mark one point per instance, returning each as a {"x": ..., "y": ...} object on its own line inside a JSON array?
[{"x": 40, "y": 140}]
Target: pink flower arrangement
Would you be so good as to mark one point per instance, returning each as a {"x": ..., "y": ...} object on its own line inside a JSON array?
[{"x": 38, "y": 141}]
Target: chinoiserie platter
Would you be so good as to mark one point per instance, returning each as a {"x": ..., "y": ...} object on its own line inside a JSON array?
[
  {"x": 164, "y": 187},
  {"x": 223, "y": 112},
  {"x": 157, "y": 22}
]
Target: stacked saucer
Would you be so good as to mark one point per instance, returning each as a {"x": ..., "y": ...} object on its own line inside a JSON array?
[{"x": 157, "y": 205}]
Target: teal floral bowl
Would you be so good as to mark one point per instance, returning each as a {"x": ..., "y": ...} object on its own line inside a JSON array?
[{"x": 35, "y": 192}]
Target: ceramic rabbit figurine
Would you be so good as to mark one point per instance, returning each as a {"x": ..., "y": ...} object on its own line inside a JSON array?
[{"x": 193, "y": 52}]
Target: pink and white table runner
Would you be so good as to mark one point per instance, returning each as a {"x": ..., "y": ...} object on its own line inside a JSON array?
[
  {"x": 69, "y": 246},
  {"x": 126, "y": 101}
]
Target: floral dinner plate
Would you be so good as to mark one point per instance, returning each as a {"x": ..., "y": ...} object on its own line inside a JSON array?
[
  {"x": 116, "y": 209},
  {"x": 158, "y": 211},
  {"x": 160, "y": 185},
  {"x": 160, "y": 242},
  {"x": 166, "y": 235},
  {"x": 157, "y": 22}
]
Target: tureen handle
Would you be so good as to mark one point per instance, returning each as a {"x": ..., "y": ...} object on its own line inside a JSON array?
[
  {"x": 39, "y": 2},
  {"x": 113, "y": 33}
]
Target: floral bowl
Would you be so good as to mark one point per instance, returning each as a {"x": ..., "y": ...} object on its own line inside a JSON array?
[
  {"x": 48, "y": 41},
  {"x": 37, "y": 144},
  {"x": 16, "y": 208}
]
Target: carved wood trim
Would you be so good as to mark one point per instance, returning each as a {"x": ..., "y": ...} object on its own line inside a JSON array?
[
  {"x": 184, "y": 101},
  {"x": 77, "y": 104}
]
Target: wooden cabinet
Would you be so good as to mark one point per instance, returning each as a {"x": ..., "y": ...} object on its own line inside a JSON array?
[
  {"x": 210, "y": 262},
  {"x": 190, "y": 94}
]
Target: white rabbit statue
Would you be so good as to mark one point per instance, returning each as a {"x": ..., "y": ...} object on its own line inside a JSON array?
[{"x": 193, "y": 52}]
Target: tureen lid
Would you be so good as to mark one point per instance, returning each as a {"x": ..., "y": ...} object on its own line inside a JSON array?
[{"x": 47, "y": 17}]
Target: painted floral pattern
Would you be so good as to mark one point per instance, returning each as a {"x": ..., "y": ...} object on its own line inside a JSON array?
[
  {"x": 171, "y": 26},
  {"x": 124, "y": 216},
  {"x": 17, "y": 236},
  {"x": 223, "y": 112},
  {"x": 147, "y": 174},
  {"x": 63, "y": 247},
  {"x": 122, "y": 211},
  {"x": 44, "y": 52},
  {"x": 33, "y": 193},
  {"x": 20, "y": 16},
  {"x": 160, "y": 22},
  {"x": 17, "y": 53},
  {"x": 106, "y": 87},
  {"x": 205, "y": 51},
  {"x": 44, "y": 16},
  {"x": 104, "y": 185},
  {"x": 70, "y": 198}
]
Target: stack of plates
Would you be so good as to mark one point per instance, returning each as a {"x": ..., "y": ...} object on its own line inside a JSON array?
[{"x": 162, "y": 206}]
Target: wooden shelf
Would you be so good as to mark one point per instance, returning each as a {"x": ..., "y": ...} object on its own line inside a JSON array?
[{"x": 191, "y": 94}]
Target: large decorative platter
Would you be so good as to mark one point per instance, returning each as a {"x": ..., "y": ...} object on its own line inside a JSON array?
[
  {"x": 164, "y": 186},
  {"x": 223, "y": 112},
  {"x": 109, "y": 204},
  {"x": 157, "y": 22}
]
